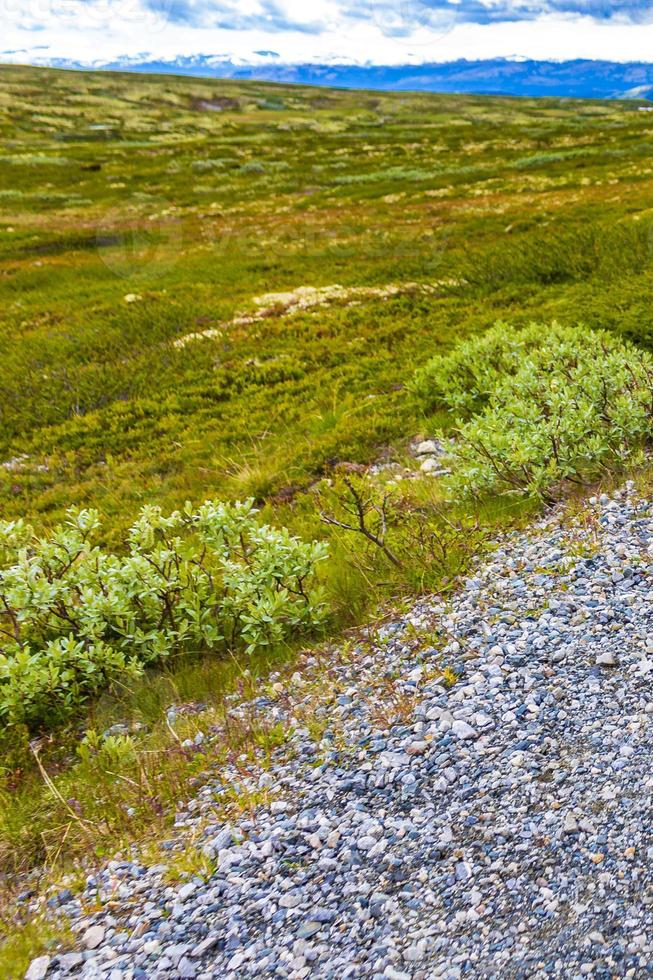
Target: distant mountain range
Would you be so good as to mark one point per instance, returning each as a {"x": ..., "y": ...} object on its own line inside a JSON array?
[{"x": 572, "y": 79}]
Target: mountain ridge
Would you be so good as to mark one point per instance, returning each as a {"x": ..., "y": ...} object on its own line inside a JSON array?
[{"x": 579, "y": 78}]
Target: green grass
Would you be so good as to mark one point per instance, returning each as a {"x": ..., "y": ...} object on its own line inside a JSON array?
[
  {"x": 40, "y": 937},
  {"x": 117, "y": 185}
]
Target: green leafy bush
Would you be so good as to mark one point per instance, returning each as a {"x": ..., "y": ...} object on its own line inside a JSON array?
[
  {"x": 463, "y": 380},
  {"x": 540, "y": 406},
  {"x": 75, "y": 619}
]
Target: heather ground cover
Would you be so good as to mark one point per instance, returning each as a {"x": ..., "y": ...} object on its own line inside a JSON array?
[{"x": 134, "y": 212}]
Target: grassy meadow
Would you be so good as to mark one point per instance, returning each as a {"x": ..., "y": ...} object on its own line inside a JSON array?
[
  {"x": 160, "y": 344},
  {"x": 197, "y": 196}
]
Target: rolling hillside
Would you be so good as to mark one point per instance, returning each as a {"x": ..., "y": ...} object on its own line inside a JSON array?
[
  {"x": 227, "y": 290},
  {"x": 138, "y": 211}
]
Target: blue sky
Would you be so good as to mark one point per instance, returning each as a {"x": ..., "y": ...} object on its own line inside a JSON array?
[{"x": 359, "y": 31}]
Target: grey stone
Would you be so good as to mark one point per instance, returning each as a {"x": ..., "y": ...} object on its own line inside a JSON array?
[
  {"x": 186, "y": 969},
  {"x": 94, "y": 936},
  {"x": 69, "y": 961},
  {"x": 186, "y": 891},
  {"x": 38, "y": 968},
  {"x": 463, "y": 730},
  {"x": 606, "y": 659}
]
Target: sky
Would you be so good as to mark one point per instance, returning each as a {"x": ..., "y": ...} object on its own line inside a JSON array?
[{"x": 386, "y": 32}]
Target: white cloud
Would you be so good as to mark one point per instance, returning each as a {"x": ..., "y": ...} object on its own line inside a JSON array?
[{"x": 401, "y": 32}]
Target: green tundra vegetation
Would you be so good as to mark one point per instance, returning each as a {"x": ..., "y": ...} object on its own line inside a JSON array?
[
  {"x": 223, "y": 291},
  {"x": 186, "y": 583},
  {"x": 536, "y": 408}
]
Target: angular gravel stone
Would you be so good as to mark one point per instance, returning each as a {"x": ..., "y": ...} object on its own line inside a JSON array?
[
  {"x": 463, "y": 730},
  {"x": 38, "y": 968},
  {"x": 93, "y": 937},
  {"x": 606, "y": 659}
]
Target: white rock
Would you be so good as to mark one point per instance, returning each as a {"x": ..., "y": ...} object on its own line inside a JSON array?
[
  {"x": 290, "y": 900},
  {"x": 393, "y": 974},
  {"x": 446, "y": 836},
  {"x": 606, "y": 659},
  {"x": 235, "y": 962},
  {"x": 570, "y": 825},
  {"x": 415, "y": 952},
  {"x": 186, "y": 891},
  {"x": 446, "y": 721},
  {"x": 394, "y": 760},
  {"x": 481, "y": 720},
  {"x": 428, "y": 447},
  {"x": 93, "y": 937},
  {"x": 417, "y": 748},
  {"x": 205, "y": 945},
  {"x": 38, "y": 968},
  {"x": 463, "y": 730},
  {"x": 229, "y": 856}
]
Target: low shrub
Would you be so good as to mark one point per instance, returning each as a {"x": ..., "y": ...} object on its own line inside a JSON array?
[
  {"x": 538, "y": 407},
  {"x": 75, "y": 619},
  {"x": 400, "y": 525},
  {"x": 463, "y": 380},
  {"x": 562, "y": 254}
]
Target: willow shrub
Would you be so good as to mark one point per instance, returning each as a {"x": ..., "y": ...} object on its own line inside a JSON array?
[
  {"x": 537, "y": 407},
  {"x": 76, "y": 619}
]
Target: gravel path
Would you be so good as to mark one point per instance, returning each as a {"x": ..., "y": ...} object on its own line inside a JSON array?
[{"x": 501, "y": 827}]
